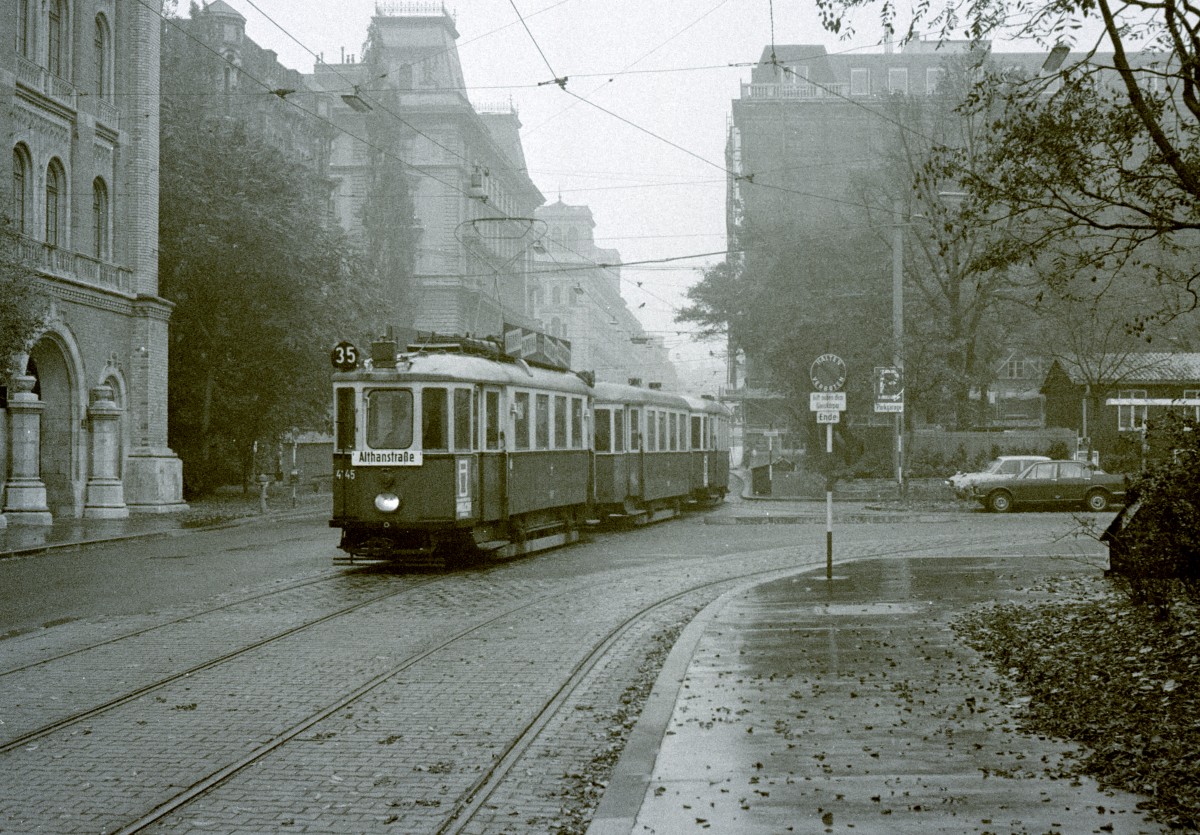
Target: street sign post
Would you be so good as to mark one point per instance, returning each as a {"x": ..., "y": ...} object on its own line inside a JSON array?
[{"x": 828, "y": 375}]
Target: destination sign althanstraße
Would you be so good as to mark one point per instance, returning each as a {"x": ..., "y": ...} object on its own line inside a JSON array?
[{"x": 387, "y": 458}]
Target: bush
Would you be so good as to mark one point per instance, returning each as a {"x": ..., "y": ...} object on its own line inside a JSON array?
[
  {"x": 1154, "y": 544},
  {"x": 1059, "y": 451}
]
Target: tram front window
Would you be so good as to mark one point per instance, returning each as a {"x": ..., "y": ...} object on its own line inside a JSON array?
[{"x": 390, "y": 419}]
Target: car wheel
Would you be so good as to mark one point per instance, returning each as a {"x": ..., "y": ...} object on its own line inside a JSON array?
[
  {"x": 1096, "y": 501},
  {"x": 1000, "y": 502}
]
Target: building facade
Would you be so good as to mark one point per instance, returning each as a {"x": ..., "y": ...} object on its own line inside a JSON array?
[
  {"x": 404, "y": 114},
  {"x": 575, "y": 294},
  {"x": 220, "y": 69},
  {"x": 85, "y": 427}
]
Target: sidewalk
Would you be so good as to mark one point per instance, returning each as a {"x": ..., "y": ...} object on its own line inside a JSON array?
[
  {"x": 795, "y": 705},
  {"x": 222, "y": 511}
]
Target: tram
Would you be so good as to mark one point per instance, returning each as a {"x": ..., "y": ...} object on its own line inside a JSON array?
[{"x": 460, "y": 448}]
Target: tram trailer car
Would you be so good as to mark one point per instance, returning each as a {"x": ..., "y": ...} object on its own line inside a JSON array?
[
  {"x": 656, "y": 451},
  {"x": 456, "y": 451}
]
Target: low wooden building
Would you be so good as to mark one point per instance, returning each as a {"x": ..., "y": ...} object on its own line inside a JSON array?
[{"x": 1109, "y": 400}]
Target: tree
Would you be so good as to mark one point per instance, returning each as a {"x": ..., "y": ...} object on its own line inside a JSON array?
[
  {"x": 262, "y": 287},
  {"x": 23, "y": 312},
  {"x": 803, "y": 292},
  {"x": 1103, "y": 150}
]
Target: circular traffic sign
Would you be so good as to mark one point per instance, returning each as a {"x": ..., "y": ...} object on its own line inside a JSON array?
[
  {"x": 344, "y": 356},
  {"x": 828, "y": 373}
]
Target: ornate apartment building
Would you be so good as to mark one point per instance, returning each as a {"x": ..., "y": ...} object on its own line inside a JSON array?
[
  {"x": 575, "y": 296},
  {"x": 83, "y": 431},
  {"x": 404, "y": 113}
]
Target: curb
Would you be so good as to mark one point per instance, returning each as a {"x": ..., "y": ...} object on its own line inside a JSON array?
[{"x": 630, "y": 777}]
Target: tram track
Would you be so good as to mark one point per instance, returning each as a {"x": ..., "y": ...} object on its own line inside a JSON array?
[
  {"x": 477, "y": 795},
  {"x": 138, "y": 692}
]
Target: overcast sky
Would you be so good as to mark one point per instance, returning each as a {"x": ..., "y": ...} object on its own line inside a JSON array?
[{"x": 655, "y": 182}]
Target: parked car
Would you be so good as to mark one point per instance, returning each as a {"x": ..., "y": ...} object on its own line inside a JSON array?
[
  {"x": 1053, "y": 483},
  {"x": 1006, "y": 466}
]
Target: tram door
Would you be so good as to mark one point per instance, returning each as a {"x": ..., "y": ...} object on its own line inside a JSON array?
[
  {"x": 493, "y": 464},
  {"x": 635, "y": 458}
]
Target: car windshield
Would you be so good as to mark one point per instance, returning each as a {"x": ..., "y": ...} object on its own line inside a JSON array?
[{"x": 995, "y": 467}]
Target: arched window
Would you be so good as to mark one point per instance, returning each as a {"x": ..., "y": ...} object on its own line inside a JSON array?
[
  {"x": 20, "y": 192},
  {"x": 104, "y": 62},
  {"x": 57, "y": 38},
  {"x": 25, "y": 31},
  {"x": 100, "y": 216},
  {"x": 56, "y": 201}
]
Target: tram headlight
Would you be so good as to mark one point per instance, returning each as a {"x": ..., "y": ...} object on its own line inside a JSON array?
[{"x": 387, "y": 502}]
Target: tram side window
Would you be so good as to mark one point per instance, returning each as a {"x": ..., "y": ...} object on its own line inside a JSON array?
[
  {"x": 542, "y": 414},
  {"x": 560, "y": 422},
  {"x": 389, "y": 419},
  {"x": 697, "y": 432},
  {"x": 521, "y": 420},
  {"x": 603, "y": 430},
  {"x": 651, "y": 431},
  {"x": 462, "y": 419},
  {"x": 577, "y": 423},
  {"x": 618, "y": 430},
  {"x": 491, "y": 420},
  {"x": 434, "y": 420},
  {"x": 634, "y": 431},
  {"x": 345, "y": 419},
  {"x": 664, "y": 438}
]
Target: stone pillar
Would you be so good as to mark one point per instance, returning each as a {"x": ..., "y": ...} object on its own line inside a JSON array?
[
  {"x": 25, "y": 493},
  {"x": 105, "y": 493}
]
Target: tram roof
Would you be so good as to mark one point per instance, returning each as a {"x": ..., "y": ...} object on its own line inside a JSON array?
[{"x": 436, "y": 366}]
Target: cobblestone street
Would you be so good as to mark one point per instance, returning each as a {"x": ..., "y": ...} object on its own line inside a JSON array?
[{"x": 358, "y": 700}]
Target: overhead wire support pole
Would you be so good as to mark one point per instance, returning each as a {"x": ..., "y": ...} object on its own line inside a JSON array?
[{"x": 898, "y": 328}]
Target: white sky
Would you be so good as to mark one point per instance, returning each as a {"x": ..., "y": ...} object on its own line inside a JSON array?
[{"x": 649, "y": 199}]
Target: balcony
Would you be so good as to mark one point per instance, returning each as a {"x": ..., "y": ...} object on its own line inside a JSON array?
[
  {"x": 41, "y": 80},
  {"x": 108, "y": 115},
  {"x": 56, "y": 262},
  {"x": 803, "y": 91}
]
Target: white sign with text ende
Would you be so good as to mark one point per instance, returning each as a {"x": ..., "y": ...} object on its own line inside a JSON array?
[{"x": 827, "y": 401}]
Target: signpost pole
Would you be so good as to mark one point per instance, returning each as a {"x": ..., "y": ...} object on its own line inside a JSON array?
[{"x": 829, "y": 507}]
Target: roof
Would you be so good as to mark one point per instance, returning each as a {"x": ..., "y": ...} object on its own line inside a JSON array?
[
  {"x": 1145, "y": 367},
  {"x": 222, "y": 8}
]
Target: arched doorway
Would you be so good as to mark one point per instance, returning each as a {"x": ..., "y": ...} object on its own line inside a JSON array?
[{"x": 49, "y": 365}]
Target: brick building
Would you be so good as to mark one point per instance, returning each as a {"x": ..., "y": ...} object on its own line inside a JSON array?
[{"x": 84, "y": 431}]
